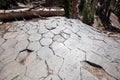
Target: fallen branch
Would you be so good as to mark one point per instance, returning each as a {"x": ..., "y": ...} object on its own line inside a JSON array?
[{"x": 27, "y": 12}]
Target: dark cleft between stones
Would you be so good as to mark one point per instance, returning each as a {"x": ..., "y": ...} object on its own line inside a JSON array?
[
  {"x": 93, "y": 64},
  {"x": 28, "y": 50}
]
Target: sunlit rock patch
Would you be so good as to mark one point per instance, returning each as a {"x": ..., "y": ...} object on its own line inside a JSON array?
[{"x": 57, "y": 49}]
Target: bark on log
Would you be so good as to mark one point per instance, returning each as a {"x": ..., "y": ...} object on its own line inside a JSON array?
[{"x": 25, "y": 13}]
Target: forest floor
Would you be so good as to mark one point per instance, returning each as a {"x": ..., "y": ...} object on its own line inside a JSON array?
[{"x": 57, "y": 48}]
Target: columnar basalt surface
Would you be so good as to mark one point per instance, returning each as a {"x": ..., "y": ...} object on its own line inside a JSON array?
[{"x": 57, "y": 49}]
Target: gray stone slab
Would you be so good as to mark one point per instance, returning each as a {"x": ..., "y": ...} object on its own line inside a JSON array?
[
  {"x": 26, "y": 78},
  {"x": 30, "y": 58},
  {"x": 30, "y": 25},
  {"x": 32, "y": 31},
  {"x": 1, "y": 66},
  {"x": 51, "y": 25},
  {"x": 22, "y": 56},
  {"x": 60, "y": 49},
  {"x": 6, "y": 57},
  {"x": 72, "y": 43},
  {"x": 45, "y": 53},
  {"x": 55, "y": 63},
  {"x": 65, "y": 35},
  {"x": 54, "y": 49},
  {"x": 9, "y": 35},
  {"x": 35, "y": 46},
  {"x": 46, "y": 41},
  {"x": 75, "y": 56},
  {"x": 11, "y": 71},
  {"x": 1, "y": 41},
  {"x": 21, "y": 45},
  {"x": 58, "y": 30},
  {"x": 37, "y": 70},
  {"x": 34, "y": 37},
  {"x": 86, "y": 75},
  {"x": 58, "y": 38},
  {"x": 1, "y": 50},
  {"x": 42, "y": 29},
  {"x": 52, "y": 77},
  {"x": 9, "y": 43},
  {"x": 22, "y": 36},
  {"x": 70, "y": 72},
  {"x": 48, "y": 35}
]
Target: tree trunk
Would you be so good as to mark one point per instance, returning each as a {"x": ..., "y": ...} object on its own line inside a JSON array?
[
  {"x": 107, "y": 8},
  {"x": 74, "y": 8},
  {"x": 66, "y": 4},
  {"x": 89, "y": 11},
  {"x": 25, "y": 13}
]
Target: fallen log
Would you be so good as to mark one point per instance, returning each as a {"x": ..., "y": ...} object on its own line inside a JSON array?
[{"x": 26, "y": 12}]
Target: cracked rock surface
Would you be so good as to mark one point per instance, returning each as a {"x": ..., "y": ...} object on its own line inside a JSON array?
[{"x": 57, "y": 49}]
